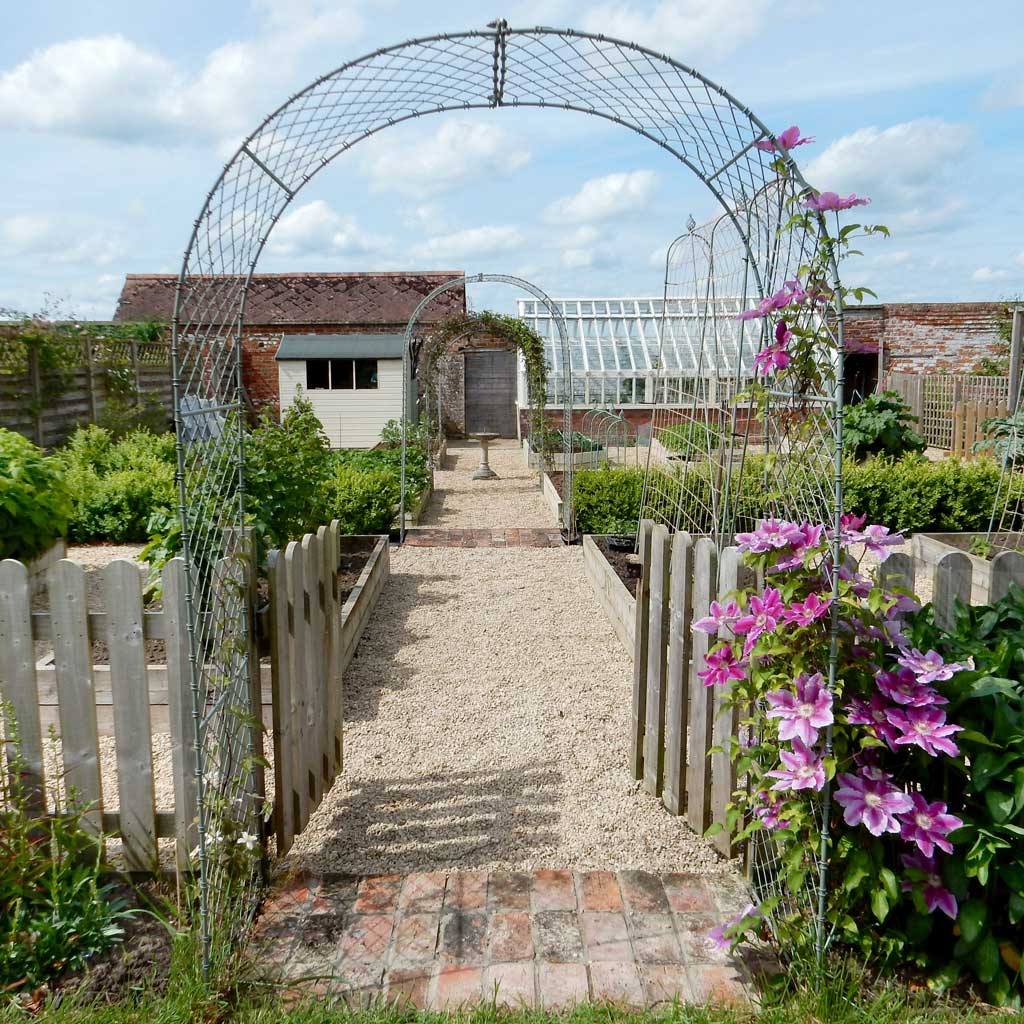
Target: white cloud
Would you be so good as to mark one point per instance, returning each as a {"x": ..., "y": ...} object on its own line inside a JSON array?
[
  {"x": 1020, "y": 258},
  {"x": 900, "y": 163},
  {"x": 314, "y": 229},
  {"x": 984, "y": 275},
  {"x": 683, "y": 28},
  {"x": 1006, "y": 91},
  {"x": 457, "y": 152},
  {"x": 58, "y": 240},
  {"x": 603, "y": 198},
  {"x": 459, "y": 246}
]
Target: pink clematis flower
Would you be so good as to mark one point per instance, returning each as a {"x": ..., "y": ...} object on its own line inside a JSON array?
[
  {"x": 723, "y": 667},
  {"x": 785, "y": 141},
  {"x": 878, "y": 540},
  {"x": 928, "y": 825},
  {"x": 826, "y": 201},
  {"x": 936, "y": 895},
  {"x": 903, "y": 687},
  {"x": 771, "y": 533},
  {"x": 717, "y": 935},
  {"x": 925, "y": 728},
  {"x": 929, "y": 668},
  {"x": 874, "y": 714},
  {"x": 768, "y": 305},
  {"x": 806, "y": 612},
  {"x": 871, "y": 803},
  {"x": 721, "y": 617},
  {"x": 803, "y": 769},
  {"x": 769, "y": 811},
  {"x": 803, "y": 713},
  {"x": 763, "y": 617},
  {"x": 774, "y": 356}
]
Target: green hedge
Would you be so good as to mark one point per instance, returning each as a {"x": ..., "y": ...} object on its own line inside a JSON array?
[
  {"x": 909, "y": 494},
  {"x": 363, "y": 500},
  {"x": 34, "y": 499}
]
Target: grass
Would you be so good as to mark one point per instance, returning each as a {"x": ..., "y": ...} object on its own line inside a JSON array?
[{"x": 846, "y": 997}]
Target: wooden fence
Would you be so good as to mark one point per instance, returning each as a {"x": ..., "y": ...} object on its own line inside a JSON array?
[
  {"x": 125, "y": 698},
  {"x": 951, "y": 407},
  {"x": 47, "y": 406},
  {"x": 677, "y": 722}
]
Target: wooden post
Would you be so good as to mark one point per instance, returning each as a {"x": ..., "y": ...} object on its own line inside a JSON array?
[
  {"x": 257, "y": 787},
  {"x": 133, "y": 348},
  {"x": 18, "y": 679},
  {"x": 298, "y": 671},
  {"x": 1016, "y": 342},
  {"x": 36, "y": 387},
  {"x": 897, "y": 571},
  {"x": 285, "y": 811},
  {"x": 726, "y": 719},
  {"x": 698, "y": 767},
  {"x": 122, "y": 601},
  {"x": 657, "y": 644},
  {"x": 326, "y": 723},
  {"x": 1007, "y": 570},
  {"x": 312, "y": 566},
  {"x": 636, "y": 739},
  {"x": 952, "y": 581},
  {"x": 337, "y": 676},
  {"x": 90, "y": 380},
  {"x": 72, "y": 650},
  {"x": 677, "y": 697},
  {"x": 182, "y": 724}
]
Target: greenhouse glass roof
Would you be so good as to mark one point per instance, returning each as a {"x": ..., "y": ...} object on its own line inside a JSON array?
[{"x": 624, "y": 335}]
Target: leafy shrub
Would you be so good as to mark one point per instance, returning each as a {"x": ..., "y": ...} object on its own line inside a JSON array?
[
  {"x": 117, "y": 485},
  {"x": 554, "y": 441},
  {"x": 389, "y": 461},
  {"x": 362, "y": 499},
  {"x": 34, "y": 499},
  {"x": 287, "y": 469},
  {"x": 880, "y": 425},
  {"x": 691, "y": 436},
  {"x": 1005, "y": 438},
  {"x": 57, "y": 909},
  {"x": 607, "y": 500},
  {"x": 124, "y": 416},
  {"x": 417, "y": 435}
]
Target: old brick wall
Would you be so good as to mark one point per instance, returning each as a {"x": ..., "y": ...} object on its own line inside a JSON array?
[{"x": 452, "y": 378}]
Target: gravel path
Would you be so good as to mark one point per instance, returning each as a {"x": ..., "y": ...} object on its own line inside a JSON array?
[
  {"x": 512, "y": 501},
  {"x": 486, "y": 726}
]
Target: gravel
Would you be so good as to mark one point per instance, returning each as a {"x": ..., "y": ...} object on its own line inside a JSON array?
[
  {"x": 487, "y": 724},
  {"x": 512, "y": 502}
]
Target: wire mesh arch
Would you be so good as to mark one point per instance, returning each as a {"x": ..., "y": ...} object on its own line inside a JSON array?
[
  {"x": 407, "y": 361},
  {"x": 675, "y": 107}
]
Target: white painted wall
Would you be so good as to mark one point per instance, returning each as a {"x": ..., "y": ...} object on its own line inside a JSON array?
[{"x": 351, "y": 419}]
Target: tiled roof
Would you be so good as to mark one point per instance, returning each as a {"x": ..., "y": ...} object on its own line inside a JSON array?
[{"x": 386, "y": 298}]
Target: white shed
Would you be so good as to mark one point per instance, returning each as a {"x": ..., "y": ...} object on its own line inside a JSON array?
[{"x": 353, "y": 380}]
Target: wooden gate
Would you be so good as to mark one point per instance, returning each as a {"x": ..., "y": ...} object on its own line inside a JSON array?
[{"x": 491, "y": 392}]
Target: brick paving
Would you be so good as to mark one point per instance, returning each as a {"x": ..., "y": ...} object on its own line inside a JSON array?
[
  {"x": 546, "y": 939},
  {"x": 432, "y": 537}
]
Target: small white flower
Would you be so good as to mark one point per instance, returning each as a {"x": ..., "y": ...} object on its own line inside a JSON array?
[{"x": 248, "y": 840}]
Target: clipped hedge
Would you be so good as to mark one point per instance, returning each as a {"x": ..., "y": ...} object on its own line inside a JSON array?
[
  {"x": 34, "y": 499},
  {"x": 909, "y": 494},
  {"x": 363, "y": 500}
]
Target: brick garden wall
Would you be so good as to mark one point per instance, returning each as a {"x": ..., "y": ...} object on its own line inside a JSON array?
[{"x": 452, "y": 379}]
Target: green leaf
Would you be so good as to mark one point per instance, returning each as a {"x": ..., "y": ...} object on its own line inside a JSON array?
[
  {"x": 986, "y": 960},
  {"x": 713, "y": 829},
  {"x": 987, "y": 766},
  {"x": 857, "y": 869},
  {"x": 1016, "y": 908},
  {"x": 972, "y": 918},
  {"x": 1000, "y": 804},
  {"x": 919, "y": 927},
  {"x": 892, "y": 887},
  {"x": 880, "y": 905}
]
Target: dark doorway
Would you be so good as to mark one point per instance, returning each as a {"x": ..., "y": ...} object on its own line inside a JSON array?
[
  {"x": 491, "y": 392},
  {"x": 861, "y": 371}
]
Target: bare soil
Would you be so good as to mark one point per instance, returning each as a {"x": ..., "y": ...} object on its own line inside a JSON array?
[{"x": 626, "y": 567}]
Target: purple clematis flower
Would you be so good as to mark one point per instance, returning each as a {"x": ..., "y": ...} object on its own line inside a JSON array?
[
  {"x": 787, "y": 140},
  {"x": 878, "y": 540},
  {"x": 929, "y": 668},
  {"x": 928, "y": 825},
  {"x": 936, "y": 895},
  {"x": 874, "y": 714},
  {"x": 721, "y": 617},
  {"x": 803, "y": 769},
  {"x": 717, "y": 935},
  {"x": 768, "y": 811},
  {"x": 803, "y": 713},
  {"x": 767, "y": 306},
  {"x": 771, "y": 533},
  {"x": 763, "y": 617},
  {"x": 723, "y": 666},
  {"x": 826, "y": 201},
  {"x": 806, "y": 612},
  {"x": 903, "y": 687},
  {"x": 925, "y": 728},
  {"x": 872, "y": 803}
]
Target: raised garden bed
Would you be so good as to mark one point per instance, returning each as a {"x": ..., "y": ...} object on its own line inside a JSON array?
[
  {"x": 360, "y": 595},
  {"x": 558, "y": 459},
  {"x": 614, "y": 580},
  {"x": 928, "y": 548}
]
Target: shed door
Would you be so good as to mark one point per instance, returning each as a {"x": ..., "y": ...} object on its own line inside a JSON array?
[{"x": 491, "y": 393}]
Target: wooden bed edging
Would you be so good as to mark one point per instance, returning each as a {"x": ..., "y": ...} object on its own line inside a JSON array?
[{"x": 612, "y": 594}]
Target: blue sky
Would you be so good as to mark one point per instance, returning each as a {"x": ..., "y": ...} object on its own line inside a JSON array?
[{"x": 115, "y": 118}]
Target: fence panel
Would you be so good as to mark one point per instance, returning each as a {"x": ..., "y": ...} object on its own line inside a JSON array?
[
  {"x": 677, "y": 695},
  {"x": 639, "y": 721},
  {"x": 726, "y": 719},
  {"x": 657, "y": 651},
  {"x": 951, "y": 408},
  {"x": 698, "y": 767}
]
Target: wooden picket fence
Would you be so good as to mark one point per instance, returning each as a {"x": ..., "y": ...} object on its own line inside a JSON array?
[
  {"x": 125, "y": 698},
  {"x": 680, "y": 730}
]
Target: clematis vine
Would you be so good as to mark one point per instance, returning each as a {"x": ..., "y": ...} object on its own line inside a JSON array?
[
  {"x": 803, "y": 713},
  {"x": 763, "y": 617},
  {"x": 928, "y": 825},
  {"x": 825, "y": 202},
  {"x": 784, "y": 141},
  {"x": 925, "y": 728},
  {"x": 806, "y": 612},
  {"x": 720, "y": 617},
  {"x": 925, "y": 878},
  {"x": 903, "y": 687},
  {"x": 928, "y": 668},
  {"x": 872, "y": 803},
  {"x": 802, "y": 769},
  {"x": 771, "y": 533},
  {"x": 723, "y": 667},
  {"x": 774, "y": 357}
]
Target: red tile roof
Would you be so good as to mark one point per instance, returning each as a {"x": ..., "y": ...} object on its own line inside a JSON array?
[{"x": 314, "y": 299}]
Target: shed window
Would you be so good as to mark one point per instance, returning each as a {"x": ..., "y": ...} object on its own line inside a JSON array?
[{"x": 341, "y": 374}]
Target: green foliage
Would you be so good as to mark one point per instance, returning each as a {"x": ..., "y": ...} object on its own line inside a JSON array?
[
  {"x": 553, "y": 441},
  {"x": 389, "y": 461},
  {"x": 363, "y": 500},
  {"x": 57, "y": 907},
  {"x": 287, "y": 470},
  {"x": 34, "y": 499},
  {"x": 693, "y": 436},
  {"x": 880, "y": 426},
  {"x": 1005, "y": 438},
  {"x": 123, "y": 416},
  {"x": 607, "y": 500},
  {"x": 116, "y": 486},
  {"x": 417, "y": 435}
]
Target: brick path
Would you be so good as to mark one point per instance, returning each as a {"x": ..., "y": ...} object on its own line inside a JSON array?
[
  {"x": 430, "y": 537},
  {"x": 547, "y": 939}
]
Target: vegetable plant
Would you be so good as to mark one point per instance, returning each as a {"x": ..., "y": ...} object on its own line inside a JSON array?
[
  {"x": 880, "y": 425},
  {"x": 34, "y": 500}
]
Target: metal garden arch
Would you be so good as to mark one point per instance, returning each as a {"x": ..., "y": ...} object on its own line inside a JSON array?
[
  {"x": 672, "y": 105},
  {"x": 563, "y": 338}
]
